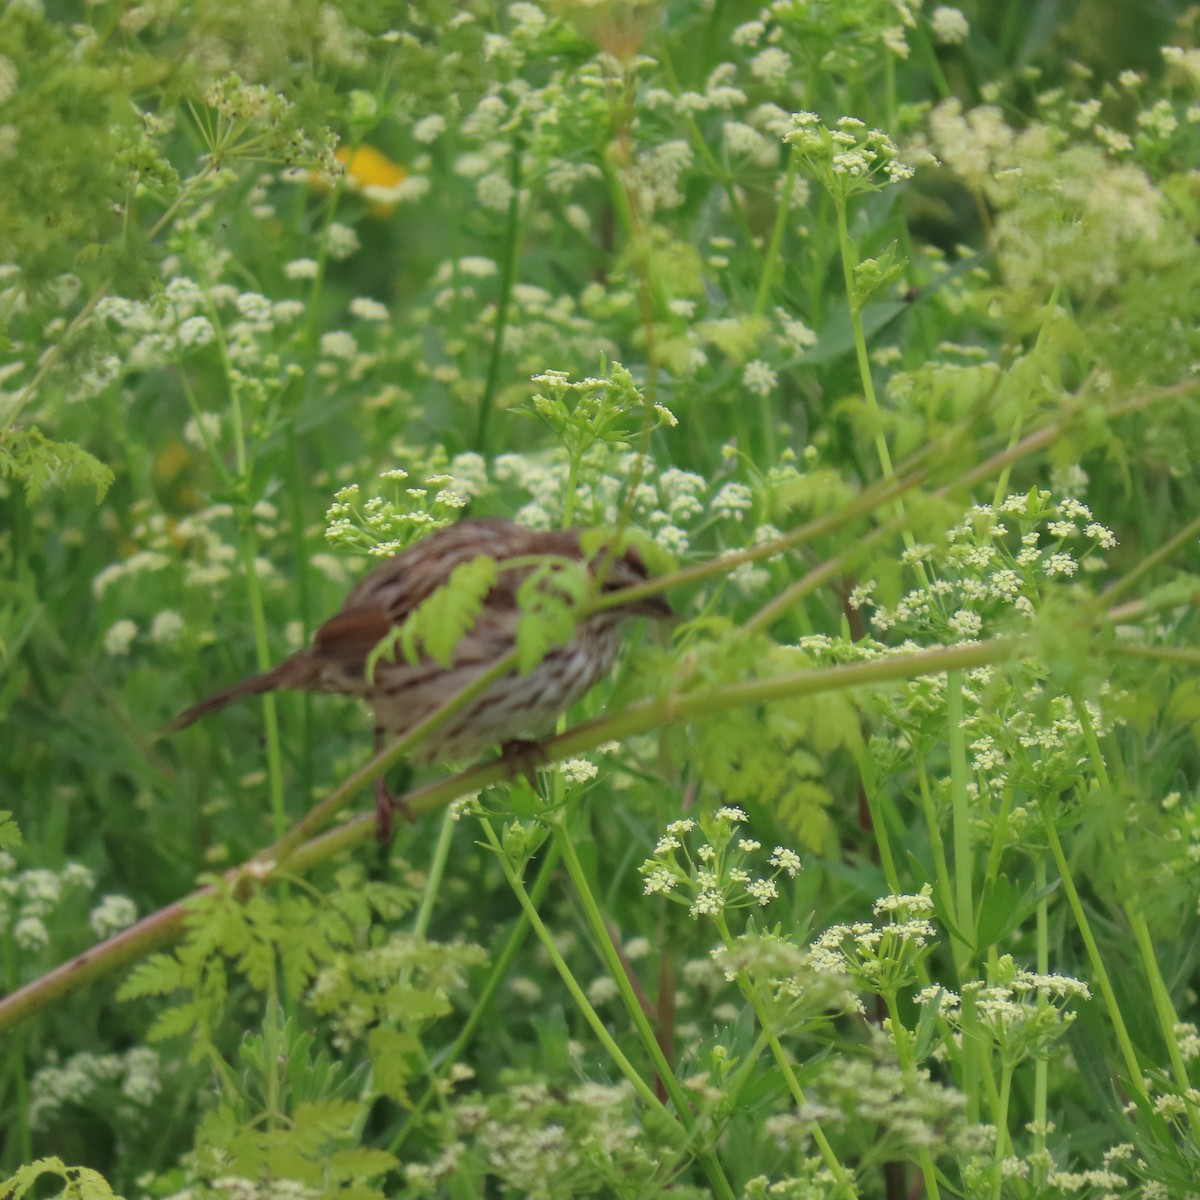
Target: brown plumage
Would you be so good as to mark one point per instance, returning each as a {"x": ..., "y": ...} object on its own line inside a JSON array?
[{"x": 404, "y": 693}]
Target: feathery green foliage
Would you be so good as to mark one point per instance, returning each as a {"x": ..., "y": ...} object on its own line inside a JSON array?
[{"x": 874, "y": 328}]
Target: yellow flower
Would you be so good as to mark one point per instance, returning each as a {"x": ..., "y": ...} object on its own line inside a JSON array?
[{"x": 372, "y": 173}]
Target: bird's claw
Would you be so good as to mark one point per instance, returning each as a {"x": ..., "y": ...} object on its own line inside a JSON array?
[
  {"x": 386, "y": 805},
  {"x": 524, "y": 756}
]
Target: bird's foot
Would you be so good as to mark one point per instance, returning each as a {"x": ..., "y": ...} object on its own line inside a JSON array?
[
  {"x": 386, "y": 806},
  {"x": 523, "y": 756}
]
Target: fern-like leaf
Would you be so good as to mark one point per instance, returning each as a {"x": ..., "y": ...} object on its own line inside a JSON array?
[
  {"x": 549, "y": 599},
  {"x": 79, "y": 1183},
  {"x": 37, "y": 462},
  {"x": 439, "y": 622}
]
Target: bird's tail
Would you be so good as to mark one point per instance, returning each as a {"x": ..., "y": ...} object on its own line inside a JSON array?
[{"x": 294, "y": 672}]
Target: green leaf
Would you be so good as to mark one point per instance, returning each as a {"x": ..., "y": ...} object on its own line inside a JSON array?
[
  {"x": 441, "y": 620},
  {"x": 361, "y": 1163},
  {"x": 874, "y": 274},
  {"x": 159, "y": 975},
  {"x": 80, "y": 1183},
  {"x": 10, "y": 833},
  {"x": 31, "y": 458},
  {"x": 173, "y": 1022},
  {"x": 548, "y": 598},
  {"x": 391, "y": 1053}
]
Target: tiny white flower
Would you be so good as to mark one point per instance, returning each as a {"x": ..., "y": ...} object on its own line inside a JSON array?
[
  {"x": 1060, "y": 564},
  {"x": 477, "y": 266},
  {"x": 708, "y": 902},
  {"x": 578, "y": 770},
  {"x": 254, "y": 307},
  {"x": 429, "y": 129},
  {"x": 337, "y": 343},
  {"x": 733, "y": 500},
  {"x": 111, "y": 915},
  {"x": 367, "y": 309},
  {"x": 771, "y": 65},
  {"x": 166, "y": 627},
  {"x": 732, "y": 814},
  {"x": 30, "y": 934},
  {"x": 786, "y": 860},
  {"x": 195, "y": 331},
  {"x": 341, "y": 240},
  {"x": 949, "y": 26},
  {"x": 210, "y": 424},
  {"x": 659, "y": 880},
  {"x": 1102, "y": 536},
  {"x": 119, "y": 638},
  {"x": 301, "y": 268},
  {"x": 759, "y": 378}
]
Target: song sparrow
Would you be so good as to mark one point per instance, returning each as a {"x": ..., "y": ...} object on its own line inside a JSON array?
[{"x": 404, "y": 693}]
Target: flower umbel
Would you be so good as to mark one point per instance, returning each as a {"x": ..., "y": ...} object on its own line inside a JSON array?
[{"x": 713, "y": 875}]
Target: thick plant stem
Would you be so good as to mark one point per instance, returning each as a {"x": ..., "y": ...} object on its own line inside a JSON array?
[{"x": 293, "y": 854}]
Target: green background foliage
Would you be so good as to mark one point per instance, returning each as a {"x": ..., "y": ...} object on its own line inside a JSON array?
[{"x": 875, "y": 327}]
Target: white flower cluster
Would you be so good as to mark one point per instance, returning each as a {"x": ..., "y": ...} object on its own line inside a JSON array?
[{"x": 710, "y": 876}]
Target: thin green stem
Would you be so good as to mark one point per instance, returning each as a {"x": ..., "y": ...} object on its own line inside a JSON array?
[
  {"x": 860, "y": 340},
  {"x": 842, "y": 1178},
  {"x": 273, "y": 1049},
  {"x": 1164, "y": 1009},
  {"x": 1041, "y": 1066},
  {"x": 883, "y": 841},
  {"x": 1133, "y": 1071},
  {"x": 902, "y": 1040},
  {"x": 483, "y": 1002},
  {"x": 996, "y": 850},
  {"x": 1001, "y": 1121},
  {"x": 248, "y": 546},
  {"x": 248, "y": 551},
  {"x": 698, "y": 1131},
  {"x": 508, "y": 277},
  {"x": 707, "y": 1158},
  {"x": 770, "y": 266},
  {"x": 960, "y": 803},
  {"x": 643, "y": 1089},
  {"x": 437, "y": 870},
  {"x": 20, "y": 1077},
  {"x": 933, "y": 830},
  {"x": 973, "y": 1064}
]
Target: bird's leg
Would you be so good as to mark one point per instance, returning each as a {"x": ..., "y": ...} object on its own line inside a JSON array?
[
  {"x": 523, "y": 756},
  {"x": 385, "y": 802}
]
